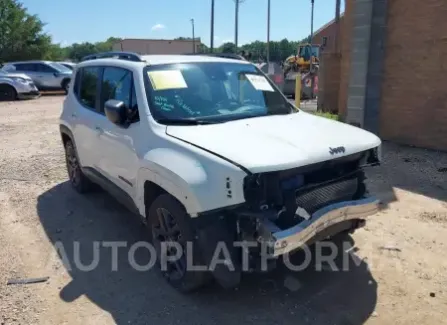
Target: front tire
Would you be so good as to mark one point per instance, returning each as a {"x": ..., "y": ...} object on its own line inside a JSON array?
[
  {"x": 78, "y": 180},
  {"x": 7, "y": 93},
  {"x": 168, "y": 222}
]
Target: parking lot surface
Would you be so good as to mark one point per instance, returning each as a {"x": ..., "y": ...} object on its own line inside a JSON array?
[{"x": 398, "y": 262}]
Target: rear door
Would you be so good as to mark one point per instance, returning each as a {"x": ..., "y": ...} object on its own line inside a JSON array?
[
  {"x": 30, "y": 69},
  {"x": 86, "y": 116}
]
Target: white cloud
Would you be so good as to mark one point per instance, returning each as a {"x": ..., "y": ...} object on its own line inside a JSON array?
[{"x": 158, "y": 27}]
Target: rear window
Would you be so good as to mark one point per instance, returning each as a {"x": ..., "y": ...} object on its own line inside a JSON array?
[{"x": 25, "y": 67}]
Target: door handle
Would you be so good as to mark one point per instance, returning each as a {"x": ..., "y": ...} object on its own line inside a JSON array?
[
  {"x": 74, "y": 115},
  {"x": 99, "y": 129}
]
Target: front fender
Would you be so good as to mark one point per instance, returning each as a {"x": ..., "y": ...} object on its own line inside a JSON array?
[
  {"x": 8, "y": 82},
  {"x": 200, "y": 182}
]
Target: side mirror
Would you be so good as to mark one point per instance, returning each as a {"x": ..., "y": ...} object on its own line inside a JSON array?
[
  {"x": 56, "y": 74},
  {"x": 115, "y": 111}
]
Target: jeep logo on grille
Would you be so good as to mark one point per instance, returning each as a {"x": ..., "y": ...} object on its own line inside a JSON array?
[{"x": 337, "y": 150}]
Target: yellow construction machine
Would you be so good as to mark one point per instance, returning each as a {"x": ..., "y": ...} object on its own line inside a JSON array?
[
  {"x": 301, "y": 61},
  {"x": 300, "y": 64}
]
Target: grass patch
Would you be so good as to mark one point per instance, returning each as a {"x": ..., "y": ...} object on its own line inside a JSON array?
[{"x": 327, "y": 115}]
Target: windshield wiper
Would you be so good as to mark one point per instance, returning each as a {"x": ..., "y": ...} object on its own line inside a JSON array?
[{"x": 184, "y": 121}]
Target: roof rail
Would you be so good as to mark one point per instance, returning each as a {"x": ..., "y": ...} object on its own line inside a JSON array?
[
  {"x": 129, "y": 56},
  {"x": 221, "y": 55}
]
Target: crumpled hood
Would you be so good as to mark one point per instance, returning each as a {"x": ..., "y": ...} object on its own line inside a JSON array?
[{"x": 277, "y": 142}]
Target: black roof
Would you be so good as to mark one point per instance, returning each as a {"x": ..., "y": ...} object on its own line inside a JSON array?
[
  {"x": 221, "y": 55},
  {"x": 130, "y": 56}
]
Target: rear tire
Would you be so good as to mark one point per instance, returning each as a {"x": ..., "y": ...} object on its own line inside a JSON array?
[
  {"x": 168, "y": 221},
  {"x": 7, "y": 93},
  {"x": 78, "y": 180}
]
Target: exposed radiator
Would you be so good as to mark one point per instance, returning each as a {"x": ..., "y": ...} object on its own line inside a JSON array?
[{"x": 320, "y": 196}]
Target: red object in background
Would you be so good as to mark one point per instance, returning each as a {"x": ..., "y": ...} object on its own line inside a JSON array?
[{"x": 278, "y": 79}]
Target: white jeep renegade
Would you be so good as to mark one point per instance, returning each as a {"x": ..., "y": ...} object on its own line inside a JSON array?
[{"x": 207, "y": 151}]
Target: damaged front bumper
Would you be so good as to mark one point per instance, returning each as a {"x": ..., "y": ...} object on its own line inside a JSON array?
[{"x": 282, "y": 241}]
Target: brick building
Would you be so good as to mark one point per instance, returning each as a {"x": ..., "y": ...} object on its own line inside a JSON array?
[
  {"x": 327, "y": 33},
  {"x": 158, "y": 46},
  {"x": 393, "y": 69}
]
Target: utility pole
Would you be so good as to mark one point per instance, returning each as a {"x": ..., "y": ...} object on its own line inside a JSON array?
[
  {"x": 312, "y": 77},
  {"x": 311, "y": 30},
  {"x": 193, "y": 37},
  {"x": 236, "y": 21},
  {"x": 337, "y": 26},
  {"x": 212, "y": 27},
  {"x": 268, "y": 31}
]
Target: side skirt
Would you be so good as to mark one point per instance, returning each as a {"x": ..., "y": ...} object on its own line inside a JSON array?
[{"x": 120, "y": 195}]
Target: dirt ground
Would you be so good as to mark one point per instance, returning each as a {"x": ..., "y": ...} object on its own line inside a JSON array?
[{"x": 399, "y": 275}]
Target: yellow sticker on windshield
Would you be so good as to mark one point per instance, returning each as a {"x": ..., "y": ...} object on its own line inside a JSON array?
[
  {"x": 259, "y": 82},
  {"x": 167, "y": 79}
]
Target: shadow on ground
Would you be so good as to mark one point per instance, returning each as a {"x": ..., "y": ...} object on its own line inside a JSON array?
[
  {"x": 417, "y": 170},
  {"x": 130, "y": 296},
  {"x": 50, "y": 93}
]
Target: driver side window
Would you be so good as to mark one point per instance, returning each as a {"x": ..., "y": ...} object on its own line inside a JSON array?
[
  {"x": 242, "y": 90},
  {"x": 117, "y": 83},
  {"x": 45, "y": 68}
]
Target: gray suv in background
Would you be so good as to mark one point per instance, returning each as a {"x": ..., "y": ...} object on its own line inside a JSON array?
[{"x": 46, "y": 75}]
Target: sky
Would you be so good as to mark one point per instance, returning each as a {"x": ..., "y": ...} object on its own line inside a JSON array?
[{"x": 69, "y": 21}]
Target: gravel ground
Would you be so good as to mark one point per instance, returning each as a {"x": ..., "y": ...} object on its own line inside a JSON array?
[{"x": 399, "y": 275}]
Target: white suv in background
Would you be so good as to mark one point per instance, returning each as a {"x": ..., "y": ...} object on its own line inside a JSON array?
[
  {"x": 207, "y": 150},
  {"x": 46, "y": 75}
]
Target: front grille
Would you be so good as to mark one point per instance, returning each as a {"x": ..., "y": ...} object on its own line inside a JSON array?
[{"x": 322, "y": 195}]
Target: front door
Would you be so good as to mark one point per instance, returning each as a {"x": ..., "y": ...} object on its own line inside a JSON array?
[
  {"x": 48, "y": 76},
  {"x": 118, "y": 157},
  {"x": 30, "y": 69}
]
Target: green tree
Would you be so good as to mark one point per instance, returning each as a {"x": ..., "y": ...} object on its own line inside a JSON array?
[
  {"x": 21, "y": 34},
  {"x": 107, "y": 45},
  {"x": 227, "y": 48},
  {"x": 56, "y": 53},
  {"x": 77, "y": 51}
]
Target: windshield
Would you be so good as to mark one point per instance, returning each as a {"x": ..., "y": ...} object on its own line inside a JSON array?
[
  {"x": 211, "y": 92},
  {"x": 69, "y": 66},
  {"x": 305, "y": 51},
  {"x": 59, "y": 67}
]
